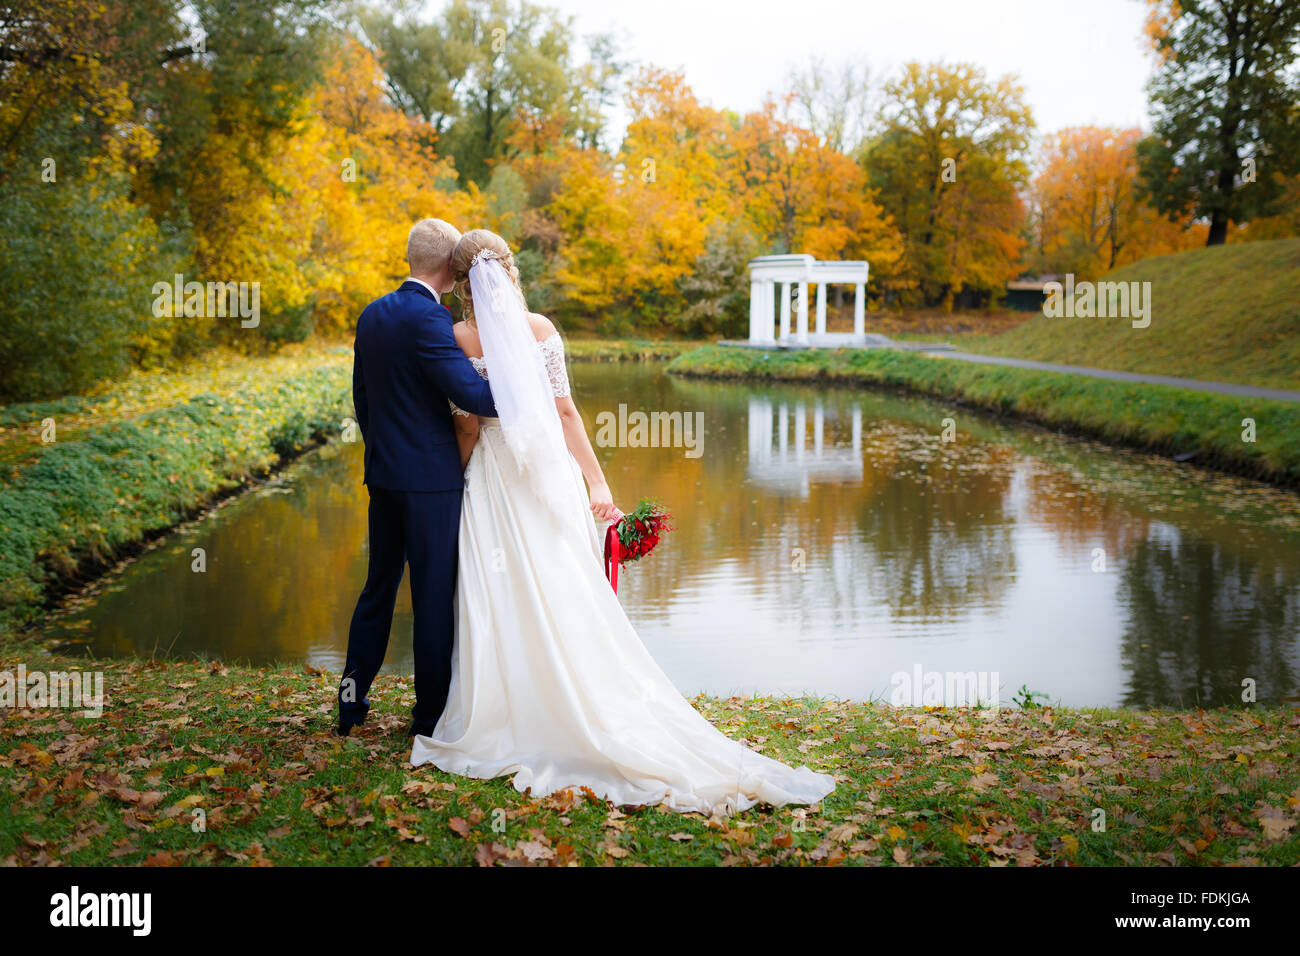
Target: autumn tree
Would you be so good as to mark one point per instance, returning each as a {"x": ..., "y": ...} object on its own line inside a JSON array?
[
  {"x": 70, "y": 154},
  {"x": 1226, "y": 134},
  {"x": 803, "y": 195},
  {"x": 1090, "y": 217},
  {"x": 641, "y": 226},
  {"x": 323, "y": 227},
  {"x": 480, "y": 71},
  {"x": 948, "y": 163}
]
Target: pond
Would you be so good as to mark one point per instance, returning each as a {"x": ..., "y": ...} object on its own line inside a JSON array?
[{"x": 842, "y": 543}]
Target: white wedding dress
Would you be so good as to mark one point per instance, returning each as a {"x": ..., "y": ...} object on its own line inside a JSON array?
[{"x": 550, "y": 681}]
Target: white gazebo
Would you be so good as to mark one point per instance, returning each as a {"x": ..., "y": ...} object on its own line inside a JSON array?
[{"x": 769, "y": 274}]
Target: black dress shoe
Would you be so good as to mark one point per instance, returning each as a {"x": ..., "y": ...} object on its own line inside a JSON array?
[
  {"x": 423, "y": 730},
  {"x": 345, "y": 726}
]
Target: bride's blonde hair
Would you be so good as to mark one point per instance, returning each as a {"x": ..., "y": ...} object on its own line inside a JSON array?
[{"x": 470, "y": 245}]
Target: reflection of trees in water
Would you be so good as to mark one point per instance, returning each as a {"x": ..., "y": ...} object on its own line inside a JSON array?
[
  {"x": 275, "y": 587},
  {"x": 938, "y": 523},
  {"x": 1201, "y": 619},
  {"x": 1078, "y": 518},
  {"x": 920, "y": 527},
  {"x": 859, "y": 487}
]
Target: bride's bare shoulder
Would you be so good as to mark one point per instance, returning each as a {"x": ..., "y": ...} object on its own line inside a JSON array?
[
  {"x": 467, "y": 338},
  {"x": 543, "y": 328}
]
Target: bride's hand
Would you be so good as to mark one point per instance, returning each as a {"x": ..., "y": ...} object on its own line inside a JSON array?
[{"x": 602, "y": 501}]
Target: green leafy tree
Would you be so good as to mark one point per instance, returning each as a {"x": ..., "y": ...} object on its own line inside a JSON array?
[
  {"x": 494, "y": 78},
  {"x": 1226, "y": 132}
]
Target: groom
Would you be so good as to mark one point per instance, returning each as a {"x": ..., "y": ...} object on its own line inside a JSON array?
[{"x": 407, "y": 365}]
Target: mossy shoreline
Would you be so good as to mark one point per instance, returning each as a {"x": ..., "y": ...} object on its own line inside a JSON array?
[
  {"x": 1201, "y": 427},
  {"x": 120, "y": 473}
]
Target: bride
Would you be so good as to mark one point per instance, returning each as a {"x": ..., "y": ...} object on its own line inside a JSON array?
[{"x": 549, "y": 680}]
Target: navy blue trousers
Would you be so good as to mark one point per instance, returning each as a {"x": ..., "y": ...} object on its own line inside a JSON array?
[{"x": 419, "y": 529}]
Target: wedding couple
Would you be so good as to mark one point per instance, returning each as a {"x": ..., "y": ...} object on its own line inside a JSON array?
[{"x": 525, "y": 663}]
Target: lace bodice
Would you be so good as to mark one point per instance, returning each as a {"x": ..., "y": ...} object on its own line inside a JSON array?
[{"x": 552, "y": 349}]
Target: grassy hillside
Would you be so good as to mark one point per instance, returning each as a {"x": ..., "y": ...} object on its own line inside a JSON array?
[{"x": 1230, "y": 313}]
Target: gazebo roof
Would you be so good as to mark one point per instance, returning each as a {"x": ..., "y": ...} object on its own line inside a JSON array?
[{"x": 804, "y": 268}]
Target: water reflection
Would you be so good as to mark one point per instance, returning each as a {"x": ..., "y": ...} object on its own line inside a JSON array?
[
  {"x": 1201, "y": 621},
  {"x": 827, "y": 539},
  {"x": 783, "y": 462}
]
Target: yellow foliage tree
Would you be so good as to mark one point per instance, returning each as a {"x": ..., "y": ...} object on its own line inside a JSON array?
[{"x": 320, "y": 218}]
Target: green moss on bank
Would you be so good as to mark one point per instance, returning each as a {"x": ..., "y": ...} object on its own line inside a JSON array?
[
  {"x": 138, "y": 455},
  {"x": 1151, "y": 417}
]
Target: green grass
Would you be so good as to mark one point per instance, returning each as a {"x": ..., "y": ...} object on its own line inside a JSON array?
[
  {"x": 625, "y": 350},
  {"x": 252, "y": 749},
  {"x": 1151, "y": 417},
  {"x": 1228, "y": 313}
]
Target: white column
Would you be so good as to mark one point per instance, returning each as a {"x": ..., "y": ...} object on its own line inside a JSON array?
[
  {"x": 769, "y": 287},
  {"x": 859, "y": 310},
  {"x": 783, "y": 432},
  {"x": 819, "y": 428},
  {"x": 785, "y": 309},
  {"x": 803, "y": 309},
  {"x": 821, "y": 308},
  {"x": 755, "y": 314},
  {"x": 856, "y": 438},
  {"x": 803, "y": 323}
]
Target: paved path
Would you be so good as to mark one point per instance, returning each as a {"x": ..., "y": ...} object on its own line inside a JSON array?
[
  {"x": 948, "y": 351},
  {"x": 1223, "y": 388}
]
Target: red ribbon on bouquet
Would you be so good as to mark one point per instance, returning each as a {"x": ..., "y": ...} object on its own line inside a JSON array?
[
  {"x": 641, "y": 532},
  {"x": 612, "y": 550}
]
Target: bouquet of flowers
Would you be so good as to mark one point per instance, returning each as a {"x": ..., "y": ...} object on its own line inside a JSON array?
[{"x": 634, "y": 535}]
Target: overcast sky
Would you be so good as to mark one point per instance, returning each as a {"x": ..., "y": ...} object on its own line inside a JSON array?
[{"x": 1080, "y": 61}]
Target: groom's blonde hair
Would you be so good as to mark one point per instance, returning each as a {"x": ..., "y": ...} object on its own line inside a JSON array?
[{"x": 429, "y": 245}]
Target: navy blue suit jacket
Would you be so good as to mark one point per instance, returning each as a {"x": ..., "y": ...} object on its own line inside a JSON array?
[{"x": 407, "y": 365}]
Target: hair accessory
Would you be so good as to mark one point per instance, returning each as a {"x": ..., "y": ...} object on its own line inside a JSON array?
[{"x": 481, "y": 255}]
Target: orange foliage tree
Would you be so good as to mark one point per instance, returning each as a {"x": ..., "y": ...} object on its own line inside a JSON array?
[{"x": 1090, "y": 217}]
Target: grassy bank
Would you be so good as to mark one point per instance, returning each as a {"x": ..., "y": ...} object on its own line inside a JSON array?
[
  {"x": 139, "y": 457},
  {"x": 625, "y": 350},
  {"x": 251, "y": 749},
  {"x": 1227, "y": 313},
  {"x": 1151, "y": 417}
]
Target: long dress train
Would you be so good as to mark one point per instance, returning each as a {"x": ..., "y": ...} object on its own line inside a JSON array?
[{"x": 549, "y": 679}]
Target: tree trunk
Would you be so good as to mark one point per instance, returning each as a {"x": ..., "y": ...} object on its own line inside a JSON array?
[{"x": 1218, "y": 234}]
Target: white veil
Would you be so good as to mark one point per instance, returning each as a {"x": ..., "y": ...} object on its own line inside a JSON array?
[{"x": 521, "y": 389}]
